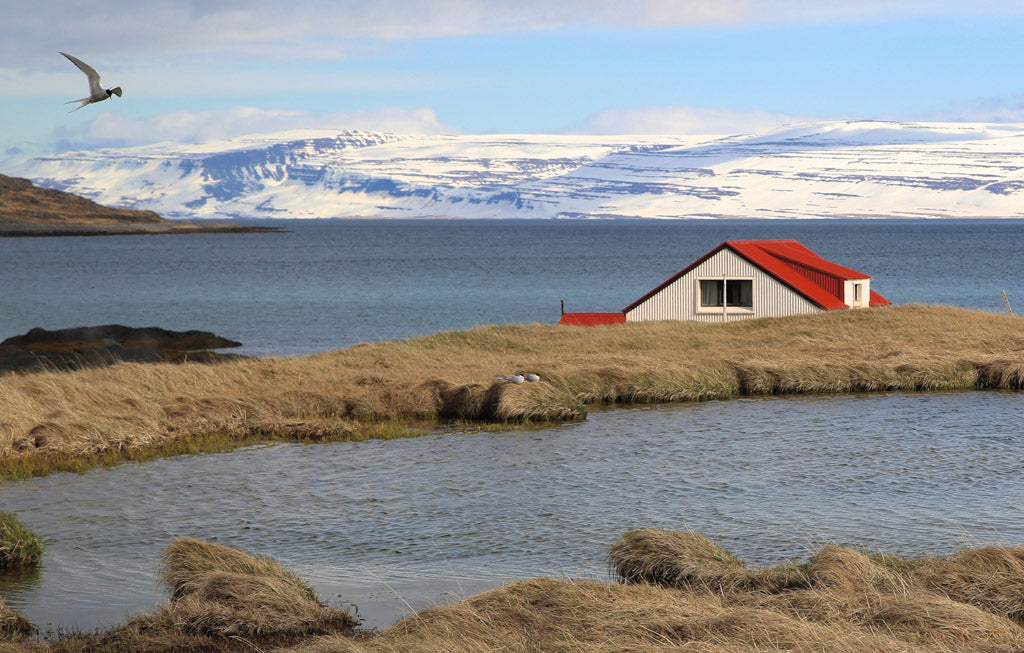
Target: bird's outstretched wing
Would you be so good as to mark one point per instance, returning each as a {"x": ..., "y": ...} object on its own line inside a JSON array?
[{"x": 90, "y": 72}]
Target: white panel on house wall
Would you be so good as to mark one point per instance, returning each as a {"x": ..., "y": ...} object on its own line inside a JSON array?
[
  {"x": 679, "y": 300},
  {"x": 850, "y": 290}
]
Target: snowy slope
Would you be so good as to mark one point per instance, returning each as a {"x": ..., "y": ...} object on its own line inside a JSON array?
[{"x": 828, "y": 169}]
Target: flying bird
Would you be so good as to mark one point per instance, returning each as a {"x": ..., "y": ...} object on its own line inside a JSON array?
[{"x": 96, "y": 92}]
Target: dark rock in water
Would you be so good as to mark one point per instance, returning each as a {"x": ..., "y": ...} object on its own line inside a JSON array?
[{"x": 66, "y": 349}]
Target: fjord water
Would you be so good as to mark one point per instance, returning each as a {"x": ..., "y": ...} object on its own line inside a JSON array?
[
  {"x": 396, "y": 525},
  {"x": 330, "y": 284}
]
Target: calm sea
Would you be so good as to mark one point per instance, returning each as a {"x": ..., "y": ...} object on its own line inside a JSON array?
[
  {"x": 390, "y": 526},
  {"x": 329, "y": 284}
]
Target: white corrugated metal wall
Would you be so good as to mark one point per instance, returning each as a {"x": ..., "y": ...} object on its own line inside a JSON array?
[{"x": 678, "y": 300}]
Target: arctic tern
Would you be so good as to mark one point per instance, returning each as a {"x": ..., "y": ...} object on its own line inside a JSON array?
[{"x": 96, "y": 92}]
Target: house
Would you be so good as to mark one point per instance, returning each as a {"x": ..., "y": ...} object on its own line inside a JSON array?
[{"x": 748, "y": 278}]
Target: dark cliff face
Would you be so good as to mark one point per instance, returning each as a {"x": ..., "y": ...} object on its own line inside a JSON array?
[
  {"x": 65, "y": 349},
  {"x": 21, "y": 202}
]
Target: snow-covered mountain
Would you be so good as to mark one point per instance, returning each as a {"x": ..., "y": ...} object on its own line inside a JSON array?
[{"x": 828, "y": 169}]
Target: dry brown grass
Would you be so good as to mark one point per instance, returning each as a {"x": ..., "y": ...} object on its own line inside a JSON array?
[
  {"x": 222, "y": 593},
  {"x": 103, "y": 415},
  {"x": 188, "y": 564},
  {"x": 13, "y": 627},
  {"x": 573, "y": 616},
  {"x": 222, "y": 600},
  {"x": 682, "y": 592},
  {"x": 692, "y": 561},
  {"x": 971, "y": 600},
  {"x": 679, "y": 592}
]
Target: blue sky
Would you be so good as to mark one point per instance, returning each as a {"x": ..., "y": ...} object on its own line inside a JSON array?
[{"x": 211, "y": 69}]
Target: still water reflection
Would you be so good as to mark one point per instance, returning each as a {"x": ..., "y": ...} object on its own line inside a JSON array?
[{"x": 392, "y": 526}]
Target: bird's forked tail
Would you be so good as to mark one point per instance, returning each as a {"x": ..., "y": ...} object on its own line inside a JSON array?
[{"x": 84, "y": 101}]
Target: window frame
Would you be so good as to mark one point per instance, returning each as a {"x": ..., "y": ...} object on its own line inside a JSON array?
[{"x": 723, "y": 295}]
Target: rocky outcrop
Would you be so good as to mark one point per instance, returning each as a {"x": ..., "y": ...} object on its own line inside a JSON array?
[{"x": 65, "y": 349}]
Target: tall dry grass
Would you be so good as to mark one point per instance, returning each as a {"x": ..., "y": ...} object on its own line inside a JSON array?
[
  {"x": 689, "y": 560},
  {"x": 677, "y": 592},
  {"x": 682, "y": 592},
  {"x": 563, "y": 616},
  {"x": 94, "y": 416},
  {"x": 972, "y": 600},
  {"x": 222, "y": 599}
]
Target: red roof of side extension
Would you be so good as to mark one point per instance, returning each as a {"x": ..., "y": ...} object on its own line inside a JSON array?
[
  {"x": 816, "y": 279},
  {"x": 592, "y": 319}
]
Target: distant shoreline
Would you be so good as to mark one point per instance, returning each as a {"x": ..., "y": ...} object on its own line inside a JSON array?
[{"x": 41, "y": 231}]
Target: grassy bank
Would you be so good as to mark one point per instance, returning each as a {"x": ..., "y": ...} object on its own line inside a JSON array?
[
  {"x": 676, "y": 592},
  {"x": 73, "y": 420},
  {"x": 19, "y": 547},
  {"x": 681, "y": 592},
  {"x": 222, "y": 599}
]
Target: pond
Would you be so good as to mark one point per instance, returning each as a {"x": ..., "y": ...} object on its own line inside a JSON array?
[{"x": 396, "y": 526}]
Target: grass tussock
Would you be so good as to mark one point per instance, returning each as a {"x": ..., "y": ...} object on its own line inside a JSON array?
[
  {"x": 13, "y": 627},
  {"x": 188, "y": 563},
  {"x": 692, "y": 561},
  {"x": 19, "y": 547},
  {"x": 681, "y": 591},
  {"x": 972, "y": 600},
  {"x": 222, "y": 600},
  {"x": 677, "y": 592},
  {"x": 580, "y": 616},
  {"x": 70, "y": 420}
]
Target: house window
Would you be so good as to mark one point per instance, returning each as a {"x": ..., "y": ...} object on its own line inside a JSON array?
[
  {"x": 711, "y": 292},
  {"x": 727, "y": 292},
  {"x": 856, "y": 293}
]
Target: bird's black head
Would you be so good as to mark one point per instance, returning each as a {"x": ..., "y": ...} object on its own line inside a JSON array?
[{"x": 114, "y": 91}]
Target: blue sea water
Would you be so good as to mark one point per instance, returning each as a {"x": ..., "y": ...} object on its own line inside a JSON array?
[{"x": 329, "y": 284}]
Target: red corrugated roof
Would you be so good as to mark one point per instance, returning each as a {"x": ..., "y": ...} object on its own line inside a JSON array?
[
  {"x": 791, "y": 264},
  {"x": 592, "y": 319},
  {"x": 878, "y": 300}
]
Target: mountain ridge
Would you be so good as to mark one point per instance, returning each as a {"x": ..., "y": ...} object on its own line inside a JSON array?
[{"x": 833, "y": 169}]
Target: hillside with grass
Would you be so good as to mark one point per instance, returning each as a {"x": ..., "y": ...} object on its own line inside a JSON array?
[
  {"x": 28, "y": 210},
  {"x": 83, "y": 418}
]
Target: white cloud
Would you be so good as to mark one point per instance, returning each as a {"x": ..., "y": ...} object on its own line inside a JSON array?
[
  {"x": 1009, "y": 109},
  {"x": 112, "y": 129},
  {"x": 30, "y": 33},
  {"x": 682, "y": 120}
]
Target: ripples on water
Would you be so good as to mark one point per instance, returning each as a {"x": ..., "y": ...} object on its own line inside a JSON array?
[{"x": 410, "y": 523}]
